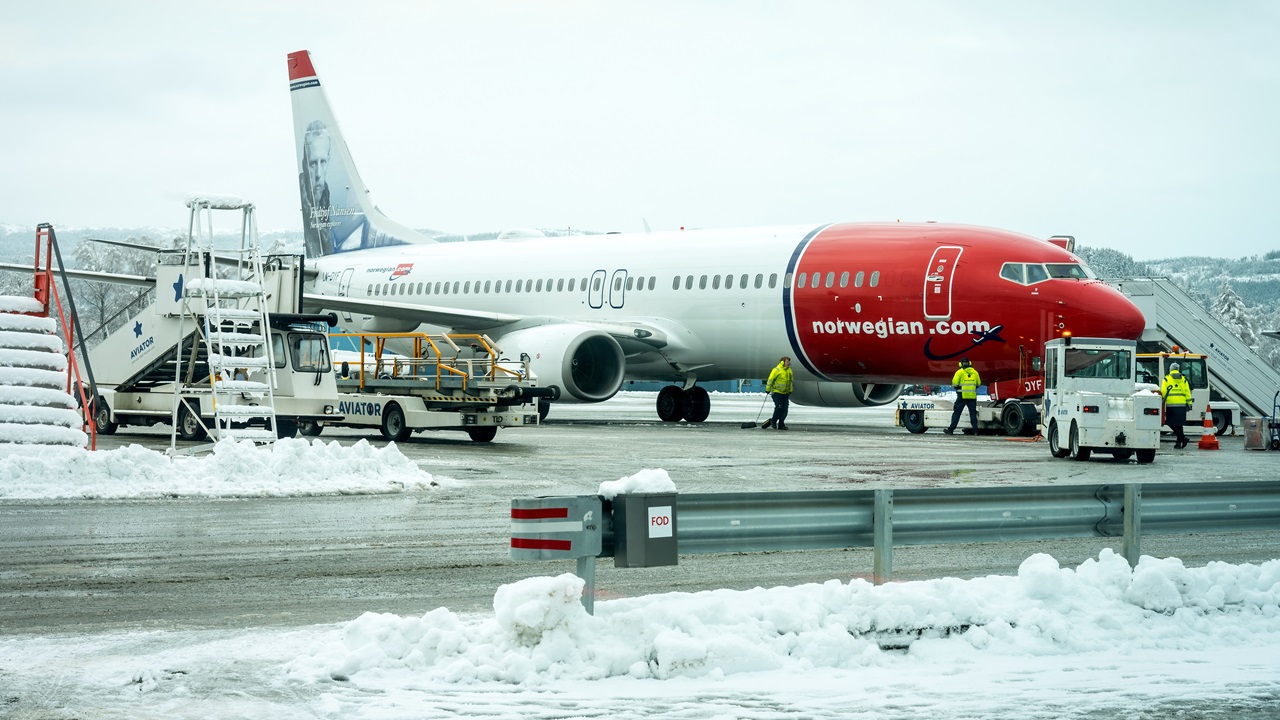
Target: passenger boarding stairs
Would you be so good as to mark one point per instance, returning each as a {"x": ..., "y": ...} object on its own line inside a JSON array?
[
  {"x": 228, "y": 311},
  {"x": 35, "y": 406},
  {"x": 1175, "y": 318}
]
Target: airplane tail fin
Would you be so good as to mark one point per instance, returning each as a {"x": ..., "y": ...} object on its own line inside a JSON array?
[{"x": 337, "y": 213}]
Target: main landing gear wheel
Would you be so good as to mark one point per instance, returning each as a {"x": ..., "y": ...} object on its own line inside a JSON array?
[
  {"x": 697, "y": 404},
  {"x": 1077, "y": 452},
  {"x": 394, "y": 427},
  {"x": 1055, "y": 443},
  {"x": 671, "y": 404},
  {"x": 913, "y": 421}
]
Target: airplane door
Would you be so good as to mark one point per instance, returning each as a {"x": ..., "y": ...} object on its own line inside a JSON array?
[
  {"x": 344, "y": 284},
  {"x": 617, "y": 288},
  {"x": 938, "y": 281},
  {"x": 595, "y": 291}
]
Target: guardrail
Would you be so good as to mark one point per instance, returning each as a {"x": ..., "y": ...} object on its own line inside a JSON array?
[{"x": 708, "y": 523}]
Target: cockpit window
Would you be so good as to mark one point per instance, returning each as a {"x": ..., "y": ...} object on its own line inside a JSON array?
[
  {"x": 1069, "y": 270},
  {"x": 1036, "y": 273},
  {"x": 1012, "y": 271}
]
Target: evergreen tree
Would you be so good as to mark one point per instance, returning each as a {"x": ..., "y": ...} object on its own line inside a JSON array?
[{"x": 1230, "y": 310}]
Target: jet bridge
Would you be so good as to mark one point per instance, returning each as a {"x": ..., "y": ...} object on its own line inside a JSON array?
[{"x": 1175, "y": 318}]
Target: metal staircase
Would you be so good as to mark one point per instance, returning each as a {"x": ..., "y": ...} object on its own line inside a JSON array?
[
  {"x": 1175, "y": 318},
  {"x": 233, "y": 353}
]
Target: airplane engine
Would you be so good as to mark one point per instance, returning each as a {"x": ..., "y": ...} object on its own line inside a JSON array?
[
  {"x": 587, "y": 364},
  {"x": 831, "y": 394}
]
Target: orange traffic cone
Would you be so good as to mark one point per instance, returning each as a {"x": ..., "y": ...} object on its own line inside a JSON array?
[{"x": 1208, "y": 439}]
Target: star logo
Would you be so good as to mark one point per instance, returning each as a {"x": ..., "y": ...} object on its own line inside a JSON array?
[
  {"x": 137, "y": 329},
  {"x": 177, "y": 290}
]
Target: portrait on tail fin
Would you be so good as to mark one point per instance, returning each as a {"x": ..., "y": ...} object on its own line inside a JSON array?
[{"x": 333, "y": 221}]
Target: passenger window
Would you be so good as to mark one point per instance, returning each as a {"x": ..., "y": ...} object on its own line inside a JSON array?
[
  {"x": 455, "y": 287},
  {"x": 715, "y": 282},
  {"x": 560, "y": 285},
  {"x": 508, "y": 287},
  {"x": 688, "y": 282},
  {"x": 427, "y": 290},
  {"x": 617, "y": 284},
  {"x": 801, "y": 280},
  {"x": 831, "y": 279},
  {"x": 857, "y": 279},
  {"x": 675, "y": 283},
  {"x": 773, "y": 280},
  {"x": 519, "y": 285},
  {"x": 377, "y": 290},
  {"x": 844, "y": 279},
  {"x": 539, "y": 287},
  {"x": 466, "y": 288},
  {"x": 438, "y": 288},
  {"x": 571, "y": 283},
  {"x": 652, "y": 279},
  {"x": 702, "y": 283},
  {"x": 742, "y": 281},
  {"x": 1036, "y": 273},
  {"x": 760, "y": 281},
  {"x": 875, "y": 278},
  {"x": 728, "y": 282}
]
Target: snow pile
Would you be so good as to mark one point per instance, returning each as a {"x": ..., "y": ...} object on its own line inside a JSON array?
[
  {"x": 539, "y": 630},
  {"x": 645, "y": 481},
  {"x": 234, "y": 469}
]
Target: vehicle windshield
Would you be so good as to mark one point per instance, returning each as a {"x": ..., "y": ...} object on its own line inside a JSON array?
[
  {"x": 1106, "y": 364},
  {"x": 309, "y": 352}
]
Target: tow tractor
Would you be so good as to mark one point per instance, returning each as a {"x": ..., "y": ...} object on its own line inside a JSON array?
[
  {"x": 1012, "y": 408},
  {"x": 1093, "y": 402},
  {"x": 442, "y": 381}
]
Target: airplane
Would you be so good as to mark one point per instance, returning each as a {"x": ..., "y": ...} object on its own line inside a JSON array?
[{"x": 863, "y": 308}]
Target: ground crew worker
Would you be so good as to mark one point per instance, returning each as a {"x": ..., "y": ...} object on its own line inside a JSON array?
[
  {"x": 966, "y": 383},
  {"x": 779, "y": 386},
  {"x": 1176, "y": 393}
]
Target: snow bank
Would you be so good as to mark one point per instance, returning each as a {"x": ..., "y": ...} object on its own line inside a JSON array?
[
  {"x": 539, "y": 630},
  {"x": 287, "y": 467}
]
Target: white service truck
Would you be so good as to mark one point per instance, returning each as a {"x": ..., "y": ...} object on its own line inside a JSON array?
[{"x": 1092, "y": 402}]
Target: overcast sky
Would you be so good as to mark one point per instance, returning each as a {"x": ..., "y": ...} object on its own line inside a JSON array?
[{"x": 1149, "y": 126}]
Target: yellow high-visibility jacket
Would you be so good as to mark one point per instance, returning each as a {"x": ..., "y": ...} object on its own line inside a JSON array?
[
  {"x": 1175, "y": 389},
  {"x": 780, "y": 380},
  {"x": 967, "y": 380}
]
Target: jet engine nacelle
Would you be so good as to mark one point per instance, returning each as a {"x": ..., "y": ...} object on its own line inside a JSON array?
[
  {"x": 831, "y": 394},
  {"x": 586, "y": 363}
]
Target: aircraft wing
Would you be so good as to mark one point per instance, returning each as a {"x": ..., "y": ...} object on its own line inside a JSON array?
[
  {"x": 117, "y": 278},
  {"x": 426, "y": 314},
  {"x": 648, "y": 337}
]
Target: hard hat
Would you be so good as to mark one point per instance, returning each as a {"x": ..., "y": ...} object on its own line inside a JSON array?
[
  {"x": 1173, "y": 367},
  {"x": 964, "y": 362}
]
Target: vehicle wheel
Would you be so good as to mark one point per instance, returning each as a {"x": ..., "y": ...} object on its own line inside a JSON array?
[
  {"x": 1013, "y": 419},
  {"x": 697, "y": 404},
  {"x": 670, "y": 404},
  {"x": 913, "y": 421},
  {"x": 310, "y": 428},
  {"x": 1146, "y": 456},
  {"x": 1122, "y": 454},
  {"x": 1221, "y": 421},
  {"x": 286, "y": 427},
  {"x": 1275, "y": 444},
  {"x": 394, "y": 427},
  {"x": 484, "y": 433},
  {"x": 102, "y": 423},
  {"x": 189, "y": 427},
  {"x": 544, "y": 408},
  {"x": 1055, "y": 443},
  {"x": 1077, "y": 452}
]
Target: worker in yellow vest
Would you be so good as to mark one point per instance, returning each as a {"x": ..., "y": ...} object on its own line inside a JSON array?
[
  {"x": 1176, "y": 393},
  {"x": 966, "y": 383}
]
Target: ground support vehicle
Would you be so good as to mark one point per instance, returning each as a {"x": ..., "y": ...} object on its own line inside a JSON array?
[
  {"x": 1093, "y": 402},
  {"x": 1152, "y": 368},
  {"x": 446, "y": 381},
  {"x": 1011, "y": 408}
]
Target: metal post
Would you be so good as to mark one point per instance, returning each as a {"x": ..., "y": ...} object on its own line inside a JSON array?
[
  {"x": 882, "y": 537},
  {"x": 1132, "y": 523},
  {"x": 587, "y": 571}
]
